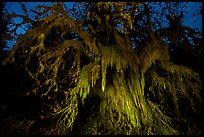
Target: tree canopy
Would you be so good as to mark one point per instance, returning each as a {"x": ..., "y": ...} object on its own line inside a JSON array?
[{"x": 110, "y": 68}]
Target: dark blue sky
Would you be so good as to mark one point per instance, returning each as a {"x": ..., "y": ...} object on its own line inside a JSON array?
[{"x": 188, "y": 19}]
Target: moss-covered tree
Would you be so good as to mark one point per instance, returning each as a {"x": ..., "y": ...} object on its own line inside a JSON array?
[{"x": 96, "y": 77}]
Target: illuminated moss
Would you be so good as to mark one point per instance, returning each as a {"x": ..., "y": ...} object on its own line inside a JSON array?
[{"x": 134, "y": 97}]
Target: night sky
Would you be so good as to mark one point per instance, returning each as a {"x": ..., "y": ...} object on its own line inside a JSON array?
[{"x": 188, "y": 18}]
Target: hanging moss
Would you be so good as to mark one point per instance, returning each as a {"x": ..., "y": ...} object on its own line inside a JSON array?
[{"x": 134, "y": 96}]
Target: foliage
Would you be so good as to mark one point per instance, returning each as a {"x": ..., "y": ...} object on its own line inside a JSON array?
[
  {"x": 6, "y": 35},
  {"x": 73, "y": 59}
]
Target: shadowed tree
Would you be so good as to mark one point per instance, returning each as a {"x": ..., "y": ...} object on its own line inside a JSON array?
[
  {"x": 184, "y": 43},
  {"x": 6, "y": 22},
  {"x": 101, "y": 68}
]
